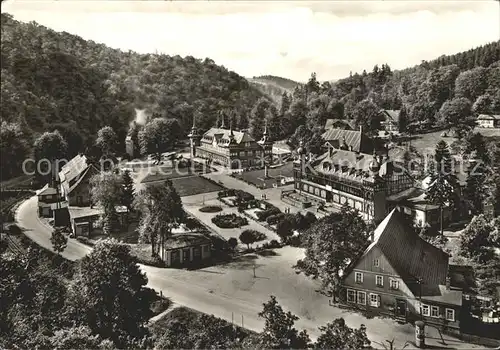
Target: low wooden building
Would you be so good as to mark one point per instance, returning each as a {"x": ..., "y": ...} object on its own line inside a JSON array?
[
  {"x": 488, "y": 121},
  {"x": 48, "y": 198},
  {"x": 75, "y": 181},
  {"x": 186, "y": 249}
]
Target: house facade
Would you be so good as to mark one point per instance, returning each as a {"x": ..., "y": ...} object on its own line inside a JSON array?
[
  {"x": 186, "y": 249},
  {"x": 75, "y": 181},
  {"x": 232, "y": 149},
  {"x": 390, "y": 120},
  {"x": 361, "y": 181},
  {"x": 48, "y": 198},
  {"x": 403, "y": 276},
  {"x": 488, "y": 121}
]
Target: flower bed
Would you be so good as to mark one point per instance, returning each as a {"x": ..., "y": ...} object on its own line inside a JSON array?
[
  {"x": 241, "y": 196},
  {"x": 229, "y": 221},
  {"x": 211, "y": 209}
]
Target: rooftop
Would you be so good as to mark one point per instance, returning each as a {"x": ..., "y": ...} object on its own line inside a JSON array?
[
  {"x": 489, "y": 117},
  {"x": 186, "y": 240},
  {"x": 352, "y": 139},
  {"x": 223, "y": 135},
  {"x": 411, "y": 257},
  {"x": 391, "y": 113},
  {"x": 339, "y": 123}
]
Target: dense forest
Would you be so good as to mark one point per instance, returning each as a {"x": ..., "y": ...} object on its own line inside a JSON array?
[{"x": 54, "y": 80}]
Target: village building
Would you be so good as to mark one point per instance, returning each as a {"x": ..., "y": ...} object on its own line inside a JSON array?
[
  {"x": 401, "y": 275},
  {"x": 488, "y": 121},
  {"x": 186, "y": 249},
  {"x": 49, "y": 199},
  {"x": 346, "y": 175},
  {"x": 74, "y": 178},
  {"x": 351, "y": 140},
  {"x": 232, "y": 149},
  {"x": 389, "y": 120}
]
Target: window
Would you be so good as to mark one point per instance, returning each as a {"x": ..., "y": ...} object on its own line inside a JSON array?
[
  {"x": 434, "y": 311},
  {"x": 358, "y": 277},
  {"x": 206, "y": 248},
  {"x": 362, "y": 298},
  {"x": 376, "y": 263},
  {"x": 425, "y": 310},
  {"x": 394, "y": 284},
  {"x": 379, "y": 280},
  {"x": 450, "y": 315},
  {"x": 351, "y": 296},
  {"x": 374, "y": 300}
]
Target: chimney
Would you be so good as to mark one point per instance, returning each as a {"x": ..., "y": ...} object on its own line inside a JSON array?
[
  {"x": 330, "y": 150},
  {"x": 448, "y": 282}
]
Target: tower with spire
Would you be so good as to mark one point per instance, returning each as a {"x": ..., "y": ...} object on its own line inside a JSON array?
[
  {"x": 267, "y": 149},
  {"x": 194, "y": 138}
]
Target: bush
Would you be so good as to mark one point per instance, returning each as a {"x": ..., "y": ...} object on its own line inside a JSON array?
[
  {"x": 85, "y": 240},
  {"x": 272, "y": 244},
  {"x": 274, "y": 219},
  {"x": 295, "y": 241},
  {"x": 232, "y": 242},
  {"x": 14, "y": 230},
  {"x": 263, "y": 215},
  {"x": 211, "y": 209},
  {"x": 229, "y": 221}
]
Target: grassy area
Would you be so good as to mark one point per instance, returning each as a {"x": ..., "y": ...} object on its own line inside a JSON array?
[
  {"x": 256, "y": 177},
  {"x": 20, "y": 182},
  {"x": 188, "y": 186}
]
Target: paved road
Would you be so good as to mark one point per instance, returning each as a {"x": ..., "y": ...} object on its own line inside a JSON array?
[{"x": 187, "y": 288}]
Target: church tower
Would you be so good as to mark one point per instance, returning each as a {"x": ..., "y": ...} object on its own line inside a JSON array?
[{"x": 194, "y": 138}]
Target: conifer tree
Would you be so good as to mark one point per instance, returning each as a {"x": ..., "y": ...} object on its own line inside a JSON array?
[{"x": 128, "y": 194}]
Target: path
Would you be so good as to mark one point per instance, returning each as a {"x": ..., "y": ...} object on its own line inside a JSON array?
[{"x": 228, "y": 291}]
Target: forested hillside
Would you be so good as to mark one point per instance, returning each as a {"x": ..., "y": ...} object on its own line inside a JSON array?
[
  {"x": 273, "y": 86},
  {"x": 58, "y": 80},
  {"x": 447, "y": 91}
]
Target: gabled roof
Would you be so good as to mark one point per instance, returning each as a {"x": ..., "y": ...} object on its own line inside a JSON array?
[
  {"x": 488, "y": 117},
  {"x": 339, "y": 123},
  {"x": 47, "y": 190},
  {"x": 352, "y": 138},
  {"x": 391, "y": 114},
  {"x": 411, "y": 256},
  {"x": 224, "y": 135},
  {"x": 74, "y": 171}
]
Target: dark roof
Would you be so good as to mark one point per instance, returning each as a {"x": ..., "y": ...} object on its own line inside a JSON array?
[
  {"x": 462, "y": 276},
  {"x": 339, "y": 123},
  {"x": 47, "y": 190},
  {"x": 186, "y": 240},
  {"x": 411, "y": 256},
  {"x": 352, "y": 138},
  {"x": 224, "y": 135},
  {"x": 391, "y": 114},
  {"x": 73, "y": 172},
  {"x": 489, "y": 116}
]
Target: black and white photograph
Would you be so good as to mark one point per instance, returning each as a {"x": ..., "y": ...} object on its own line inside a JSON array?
[{"x": 213, "y": 174}]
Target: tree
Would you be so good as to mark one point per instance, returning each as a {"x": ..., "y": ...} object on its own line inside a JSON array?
[
  {"x": 367, "y": 115},
  {"x": 337, "y": 335},
  {"x": 249, "y": 237},
  {"x": 159, "y": 135},
  {"x": 456, "y": 112},
  {"x": 50, "y": 146},
  {"x": 161, "y": 212},
  {"x": 279, "y": 331},
  {"x": 483, "y": 104},
  {"x": 475, "y": 240},
  {"x": 331, "y": 244},
  {"x": 233, "y": 243},
  {"x": 78, "y": 337},
  {"x": 58, "y": 240},
  {"x": 106, "y": 190},
  {"x": 475, "y": 190},
  {"x": 258, "y": 118},
  {"x": 127, "y": 193},
  {"x": 116, "y": 300},
  {"x": 13, "y": 147},
  {"x": 471, "y": 84},
  {"x": 443, "y": 182},
  {"x": 310, "y": 218},
  {"x": 403, "y": 119},
  {"x": 107, "y": 141},
  {"x": 285, "y": 227}
]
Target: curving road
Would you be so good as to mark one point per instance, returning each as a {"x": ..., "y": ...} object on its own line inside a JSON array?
[{"x": 223, "y": 291}]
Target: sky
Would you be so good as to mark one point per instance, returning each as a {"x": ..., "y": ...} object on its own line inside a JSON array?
[{"x": 291, "y": 39}]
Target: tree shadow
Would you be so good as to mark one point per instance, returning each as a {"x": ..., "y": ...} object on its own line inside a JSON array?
[{"x": 267, "y": 252}]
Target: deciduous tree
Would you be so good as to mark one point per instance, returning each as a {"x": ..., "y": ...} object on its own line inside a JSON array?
[
  {"x": 106, "y": 190},
  {"x": 249, "y": 237},
  {"x": 337, "y": 335},
  {"x": 279, "y": 331},
  {"x": 107, "y": 141},
  {"x": 159, "y": 135},
  {"x": 58, "y": 240},
  {"x": 128, "y": 192}
]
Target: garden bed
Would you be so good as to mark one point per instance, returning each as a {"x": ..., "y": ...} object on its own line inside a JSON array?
[
  {"x": 211, "y": 209},
  {"x": 229, "y": 221}
]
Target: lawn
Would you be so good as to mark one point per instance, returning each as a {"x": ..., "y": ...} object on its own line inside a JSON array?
[
  {"x": 188, "y": 186},
  {"x": 256, "y": 176}
]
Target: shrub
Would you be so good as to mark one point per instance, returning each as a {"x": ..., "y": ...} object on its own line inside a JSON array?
[
  {"x": 229, "y": 221},
  {"x": 295, "y": 241},
  {"x": 14, "y": 230},
  {"x": 274, "y": 219},
  {"x": 211, "y": 209},
  {"x": 263, "y": 215},
  {"x": 232, "y": 242}
]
